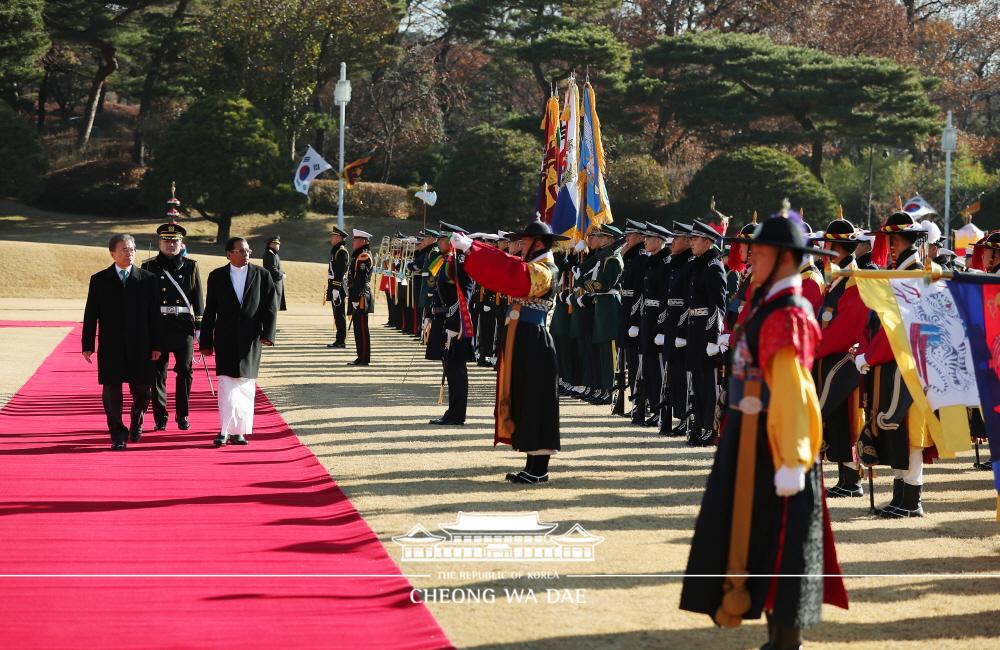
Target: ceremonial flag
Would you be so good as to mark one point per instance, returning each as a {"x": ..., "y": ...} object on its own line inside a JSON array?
[
  {"x": 928, "y": 339},
  {"x": 548, "y": 184},
  {"x": 312, "y": 165},
  {"x": 566, "y": 212},
  {"x": 352, "y": 171},
  {"x": 972, "y": 209},
  {"x": 595, "y": 209},
  {"x": 918, "y": 208},
  {"x": 977, "y": 296}
]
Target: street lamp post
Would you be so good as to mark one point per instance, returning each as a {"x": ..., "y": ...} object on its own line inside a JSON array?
[
  {"x": 949, "y": 137},
  {"x": 341, "y": 96},
  {"x": 871, "y": 169}
]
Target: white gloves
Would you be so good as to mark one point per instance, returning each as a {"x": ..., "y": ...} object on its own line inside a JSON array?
[
  {"x": 580, "y": 246},
  {"x": 427, "y": 322},
  {"x": 679, "y": 342},
  {"x": 461, "y": 241},
  {"x": 355, "y": 304},
  {"x": 486, "y": 308},
  {"x": 579, "y": 301},
  {"x": 633, "y": 332},
  {"x": 658, "y": 340},
  {"x": 451, "y": 333},
  {"x": 862, "y": 365},
  {"x": 576, "y": 272},
  {"x": 712, "y": 349},
  {"x": 724, "y": 341},
  {"x": 335, "y": 295},
  {"x": 789, "y": 481},
  {"x": 197, "y": 334}
]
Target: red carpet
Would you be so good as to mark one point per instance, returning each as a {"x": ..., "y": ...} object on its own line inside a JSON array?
[{"x": 297, "y": 557}]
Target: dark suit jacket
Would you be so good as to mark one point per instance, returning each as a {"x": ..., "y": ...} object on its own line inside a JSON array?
[
  {"x": 272, "y": 264},
  {"x": 233, "y": 330},
  {"x": 125, "y": 321}
]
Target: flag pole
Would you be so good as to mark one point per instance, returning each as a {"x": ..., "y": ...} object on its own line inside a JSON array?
[{"x": 930, "y": 276}]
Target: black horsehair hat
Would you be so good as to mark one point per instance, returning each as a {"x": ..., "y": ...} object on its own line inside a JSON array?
[
  {"x": 784, "y": 233},
  {"x": 746, "y": 232},
  {"x": 538, "y": 230}
]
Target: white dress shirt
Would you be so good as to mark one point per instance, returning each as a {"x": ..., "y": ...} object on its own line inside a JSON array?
[{"x": 238, "y": 275}]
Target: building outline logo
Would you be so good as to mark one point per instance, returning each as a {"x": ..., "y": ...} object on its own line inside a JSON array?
[{"x": 498, "y": 537}]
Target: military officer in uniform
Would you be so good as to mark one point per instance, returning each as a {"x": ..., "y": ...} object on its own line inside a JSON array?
[
  {"x": 453, "y": 294},
  {"x": 601, "y": 299},
  {"x": 336, "y": 289},
  {"x": 182, "y": 303},
  {"x": 646, "y": 320},
  {"x": 674, "y": 327},
  {"x": 634, "y": 263},
  {"x": 360, "y": 293},
  {"x": 706, "y": 313},
  {"x": 272, "y": 264}
]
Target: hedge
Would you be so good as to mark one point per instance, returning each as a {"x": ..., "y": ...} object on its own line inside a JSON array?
[
  {"x": 364, "y": 200},
  {"x": 99, "y": 187}
]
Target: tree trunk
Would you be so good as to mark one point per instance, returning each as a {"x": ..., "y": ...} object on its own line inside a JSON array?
[
  {"x": 543, "y": 83},
  {"x": 140, "y": 145},
  {"x": 101, "y": 98},
  {"x": 43, "y": 97},
  {"x": 108, "y": 64},
  {"x": 225, "y": 224},
  {"x": 816, "y": 160}
]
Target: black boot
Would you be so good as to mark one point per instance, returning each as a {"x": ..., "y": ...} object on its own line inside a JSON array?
[
  {"x": 771, "y": 634},
  {"x": 910, "y": 506},
  {"x": 639, "y": 413},
  {"x": 849, "y": 484},
  {"x": 831, "y": 492},
  {"x": 527, "y": 466},
  {"x": 897, "y": 499},
  {"x": 653, "y": 421},
  {"x": 787, "y": 638}
]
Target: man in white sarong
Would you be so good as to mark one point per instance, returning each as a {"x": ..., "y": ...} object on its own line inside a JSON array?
[{"x": 240, "y": 317}]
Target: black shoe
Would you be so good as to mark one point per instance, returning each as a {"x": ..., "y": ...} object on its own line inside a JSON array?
[
  {"x": 238, "y": 440},
  {"x": 653, "y": 421},
  {"x": 909, "y": 506},
  {"x": 357, "y": 362},
  {"x": 443, "y": 421},
  {"x": 160, "y": 425},
  {"x": 336, "y": 345},
  {"x": 135, "y": 436},
  {"x": 527, "y": 479},
  {"x": 897, "y": 499},
  {"x": 604, "y": 401},
  {"x": 702, "y": 438},
  {"x": 220, "y": 440},
  {"x": 183, "y": 424},
  {"x": 986, "y": 466},
  {"x": 848, "y": 486},
  {"x": 118, "y": 445}
]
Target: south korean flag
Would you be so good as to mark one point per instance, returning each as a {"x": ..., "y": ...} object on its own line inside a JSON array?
[{"x": 312, "y": 165}]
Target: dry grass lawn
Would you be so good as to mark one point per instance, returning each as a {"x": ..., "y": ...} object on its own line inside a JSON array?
[{"x": 640, "y": 492}]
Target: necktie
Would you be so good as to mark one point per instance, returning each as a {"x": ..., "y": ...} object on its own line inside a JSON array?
[{"x": 124, "y": 275}]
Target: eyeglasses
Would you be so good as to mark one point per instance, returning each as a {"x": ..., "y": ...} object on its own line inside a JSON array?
[{"x": 240, "y": 251}]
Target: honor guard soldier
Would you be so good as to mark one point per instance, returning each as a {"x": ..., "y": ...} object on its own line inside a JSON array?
[
  {"x": 674, "y": 328},
  {"x": 426, "y": 241},
  {"x": 762, "y": 542},
  {"x": 272, "y": 264},
  {"x": 336, "y": 284},
  {"x": 898, "y": 434},
  {"x": 652, "y": 313},
  {"x": 454, "y": 293},
  {"x": 706, "y": 312},
  {"x": 600, "y": 298},
  {"x": 842, "y": 318},
  {"x": 182, "y": 304},
  {"x": 486, "y": 325},
  {"x": 633, "y": 271},
  {"x": 360, "y": 294}
]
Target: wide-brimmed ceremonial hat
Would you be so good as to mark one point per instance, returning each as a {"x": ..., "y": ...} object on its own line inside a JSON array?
[
  {"x": 991, "y": 240},
  {"x": 783, "y": 233},
  {"x": 746, "y": 232},
  {"x": 838, "y": 230},
  {"x": 898, "y": 222},
  {"x": 538, "y": 230},
  {"x": 171, "y": 231}
]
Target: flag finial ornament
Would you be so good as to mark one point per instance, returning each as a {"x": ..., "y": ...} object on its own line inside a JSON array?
[{"x": 753, "y": 217}]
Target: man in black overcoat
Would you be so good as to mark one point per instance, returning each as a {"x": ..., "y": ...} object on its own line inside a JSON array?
[
  {"x": 122, "y": 314},
  {"x": 272, "y": 264},
  {"x": 241, "y": 312}
]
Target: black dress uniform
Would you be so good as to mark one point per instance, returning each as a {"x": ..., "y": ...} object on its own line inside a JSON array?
[
  {"x": 360, "y": 294},
  {"x": 674, "y": 327},
  {"x": 631, "y": 293},
  {"x": 655, "y": 290},
  {"x": 453, "y": 289},
  {"x": 181, "y": 305},
  {"x": 706, "y": 315},
  {"x": 336, "y": 291},
  {"x": 272, "y": 264}
]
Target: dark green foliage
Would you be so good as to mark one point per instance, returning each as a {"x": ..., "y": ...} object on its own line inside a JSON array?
[
  {"x": 97, "y": 187},
  {"x": 491, "y": 178},
  {"x": 988, "y": 217},
  {"x": 224, "y": 156},
  {"x": 756, "y": 178},
  {"x": 364, "y": 200},
  {"x": 748, "y": 89},
  {"x": 24, "y": 159},
  {"x": 22, "y": 42},
  {"x": 636, "y": 180}
]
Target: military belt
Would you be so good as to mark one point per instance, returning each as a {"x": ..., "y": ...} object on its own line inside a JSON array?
[
  {"x": 652, "y": 303},
  {"x": 627, "y": 293},
  {"x": 675, "y": 302},
  {"x": 174, "y": 310},
  {"x": 700, "y": 311}
]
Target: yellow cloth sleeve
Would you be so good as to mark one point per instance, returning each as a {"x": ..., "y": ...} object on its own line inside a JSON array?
[
  {"x": 541, "y": 280},
  {"x": 794, "y": 424}
]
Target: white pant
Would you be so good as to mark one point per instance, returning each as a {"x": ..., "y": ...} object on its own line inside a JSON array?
[{"x": 236, "y": 395}]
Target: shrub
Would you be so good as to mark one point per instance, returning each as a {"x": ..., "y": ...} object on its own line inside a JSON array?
[
  {"x": 364, "y": 200},
  {"x": 636, "y": 180},
  {"x": 100, "y": 187},
  {"x": 490, "y": 179},
  {"x": 988, "y": 217},
  {"x": 756, "y": 178},
  {"x": 25, "y": 159}
]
